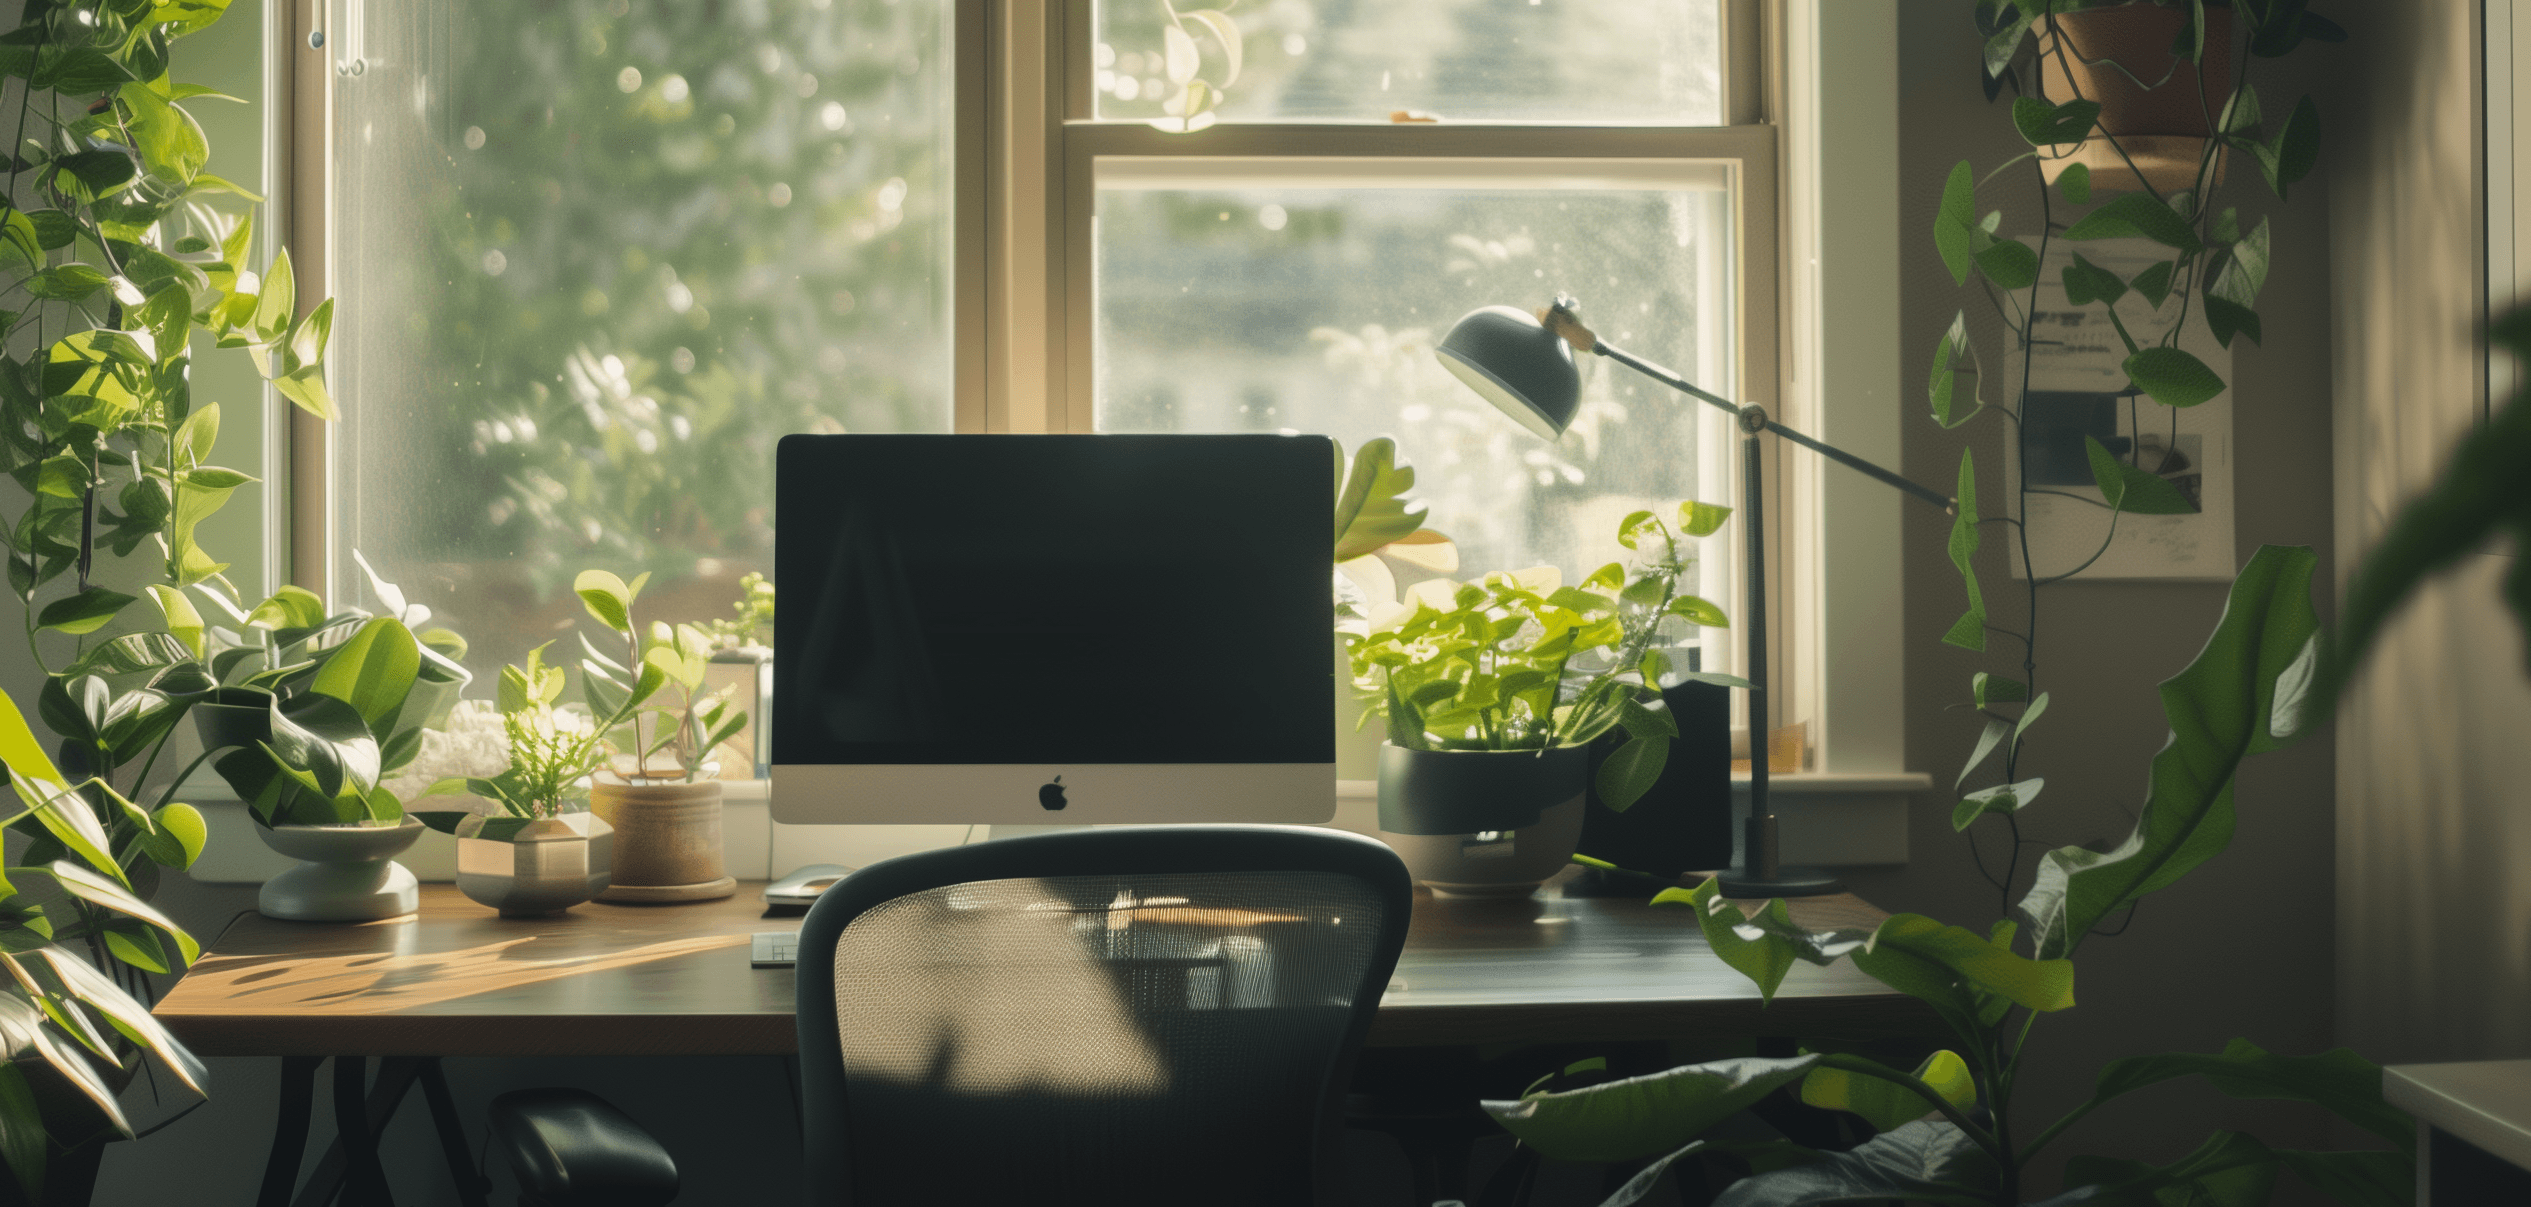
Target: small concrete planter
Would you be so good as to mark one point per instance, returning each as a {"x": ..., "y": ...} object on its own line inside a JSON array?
[
  {"x": 548, "y": 866},
  {"x": 667, "y": 841},
  {"x": 1483, "y": 823},
  {"x": 347, "y": 873}
]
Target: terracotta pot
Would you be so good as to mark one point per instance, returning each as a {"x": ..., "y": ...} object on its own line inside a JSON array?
[
  {"x": 1483, "y": 823},
  {"x": 2162, "y": 130},
  {"x": 667, "y": 841}
]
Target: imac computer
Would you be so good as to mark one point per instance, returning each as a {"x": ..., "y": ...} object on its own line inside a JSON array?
[{"x": 1029, "y": 630}]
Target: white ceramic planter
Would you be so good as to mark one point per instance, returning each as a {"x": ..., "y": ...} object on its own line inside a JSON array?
[
  {"x": 346, "y": 873},
  {"x": 550, "y": 865}
]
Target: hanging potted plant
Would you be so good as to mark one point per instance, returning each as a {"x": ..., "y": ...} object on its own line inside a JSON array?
[
  {"x": 660, "y": 794},
  {"x": 1493, "y": 692},
  {"x": 2148, "y": 80}
]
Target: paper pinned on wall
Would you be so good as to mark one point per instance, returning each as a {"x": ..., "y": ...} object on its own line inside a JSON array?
[{"x": 2076, "y": 389}]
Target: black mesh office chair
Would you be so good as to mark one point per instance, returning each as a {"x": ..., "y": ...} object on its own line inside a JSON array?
[{"x": 1119, "y": 1016}]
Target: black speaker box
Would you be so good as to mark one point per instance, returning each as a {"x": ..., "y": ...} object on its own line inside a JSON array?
[{"x": 1683, "y": 824}]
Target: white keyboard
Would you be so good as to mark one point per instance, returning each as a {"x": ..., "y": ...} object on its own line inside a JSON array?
[{"x": 773, "y": 949}]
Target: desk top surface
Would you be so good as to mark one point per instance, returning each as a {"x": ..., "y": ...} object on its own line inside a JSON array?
[
  {"x": 2486, "y": 1102},
  {"x": 457, "y": 980}
]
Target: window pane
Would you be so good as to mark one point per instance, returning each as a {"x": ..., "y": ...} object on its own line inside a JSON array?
[
  {"x": 1265, "y": 308},
  {"x": 595, "y": 256},
  {"x": 1580, "y": 61}
]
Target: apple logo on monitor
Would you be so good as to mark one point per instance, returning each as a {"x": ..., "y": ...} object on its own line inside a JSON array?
[{"x": 1051, "y": 796}]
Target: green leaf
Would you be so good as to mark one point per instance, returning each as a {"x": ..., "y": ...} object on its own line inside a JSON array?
[
  {"x": 276, "y": 305},
  {"x": 177, "y": 837},
  {"x": 2132, "y": 489},
  {"x": 2086, "y": 282},
  {"x": 443, "y": 820},
  {"x": 2221, "y": 709},
  {"x": 2009, "y": 263},
  {"x": 2003, "y": 798},
  {"x": 2295, "y": 151},
  {"x": 2154, "y": 283},
  {"x": 85, "y": 612},
  {"x": 373, "y": 672},
  {"x": 1761, "y": 949},
  {"x": 97, "y": 889},
  {"x": 2045, "y": 125},
  {"x": 68, "y": 283},
  {"x": 1948, "y": 357},
  {"x": 1630, "y": 770},
  {"x": 2234, "y": 288},
  {"x": 1369, "y": 513},
  {"x": 326, "y": 738},
  {"x": 291, "y": 607},
  {"x": 23, "y": 1140},
  {"x": 18, "y": 232},
  {"x": 91, "y": 989},
  {"x": 98, "y": 171},
  {"x": 2338, "y": 1079},
  {"x": 1888, "y": 1105},
  {"x": 1926, "y": 959},
  {"x": 2075, "y": 184},
  {"x": 1954, "y": 223},
  {"x": 79, "y": 71},
  {"x": 1695, "y": 610},
  {"x": 1968, "y": 632},
  {"x": 306, "y": 389},
  {"x": 1701, "y": 519},
  {"x": 2136, "y": 214},
  {"x": 166, "y": 136},
  {"x": 606, "y": 598},
  {"x": 22, "y": 1027},
  {"x": 1927, "y": 1162},
  {"x": 2174, "y": 377},
  {"x": 1987, "y": 689},
  {"x": 1643, "y": 1116}
]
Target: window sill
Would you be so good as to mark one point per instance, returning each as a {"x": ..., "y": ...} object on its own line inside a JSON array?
[{"x": 1830, "y": 819}]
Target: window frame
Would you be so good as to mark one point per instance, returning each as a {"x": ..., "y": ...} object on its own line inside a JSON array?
[{"x": 1024, "y": 147}]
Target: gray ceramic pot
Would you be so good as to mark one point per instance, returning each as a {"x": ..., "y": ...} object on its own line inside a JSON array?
[
  {"x": 550, "y": 865},
  {"x": 1483, "y": 822},
  {"x": 347, "y": 873}
]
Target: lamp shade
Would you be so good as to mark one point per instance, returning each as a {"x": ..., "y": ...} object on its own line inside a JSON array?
[{"x": 1519, "y": 365}]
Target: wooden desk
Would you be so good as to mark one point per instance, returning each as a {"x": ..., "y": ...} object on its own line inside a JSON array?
[{"x": 456, "y": 980}]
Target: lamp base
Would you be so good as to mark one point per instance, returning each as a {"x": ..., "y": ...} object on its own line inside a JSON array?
[{"x": 1744, "y": 884}]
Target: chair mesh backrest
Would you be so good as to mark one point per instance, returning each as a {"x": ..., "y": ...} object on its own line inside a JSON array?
[{"x": 1145, "y": 1038}]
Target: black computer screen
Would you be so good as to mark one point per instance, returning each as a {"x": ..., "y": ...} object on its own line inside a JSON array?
[{"x": 1053, "y": 599}]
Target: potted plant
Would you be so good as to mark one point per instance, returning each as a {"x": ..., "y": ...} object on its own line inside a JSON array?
[
  {"x": 1951, "y": 1129},
  {"x": 1494, "y": 690},
  {"x": 659, "y": 794},
  {"x": 312, "y": 714},
  {"x": 115, "y": 244},
  {"x": 742, "y": 669},
  {"x": 543, "y": 852}
]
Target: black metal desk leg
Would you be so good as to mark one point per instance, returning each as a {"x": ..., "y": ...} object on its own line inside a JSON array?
[
  {"x": 289, "y": 1130},
  {"x": 366, "y": 1182},
  {"x": 471, "y": 1186}
]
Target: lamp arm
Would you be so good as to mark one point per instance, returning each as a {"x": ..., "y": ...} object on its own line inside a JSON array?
[{"x": 1560, "y": 319}]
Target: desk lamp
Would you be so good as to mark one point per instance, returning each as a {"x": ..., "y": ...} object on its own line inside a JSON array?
[{"x": 1524, "y": 366}]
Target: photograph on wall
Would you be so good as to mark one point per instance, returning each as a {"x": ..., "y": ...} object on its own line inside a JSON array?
[{"x": 2076, "y": 390}]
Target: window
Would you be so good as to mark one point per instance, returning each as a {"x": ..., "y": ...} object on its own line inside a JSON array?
[{"x": 595, "y": 256}]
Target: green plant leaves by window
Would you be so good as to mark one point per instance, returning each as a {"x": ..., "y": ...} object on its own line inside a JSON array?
[
  {"x": 1888, "y": 1105},
  {"x": 1969, "y": 631},
  {"x": 1952, "y": 358},
  {"x": 2295, "y": 150},
  {"x": 2075, "y": 184},
  {"x": 1955, "y": 224},
  {"x": 2131, "y": 488},
  {"x": 2009, "y": 263},
  {"x": 2131, "y": 214},
  {"x": 2172, "y": 376},
  {"x": 2002, "y": 798},
  {"x": 85, "y": 612},
  {"x": 2086, "y": 282},
  {"x": 2044, "y": 125}
]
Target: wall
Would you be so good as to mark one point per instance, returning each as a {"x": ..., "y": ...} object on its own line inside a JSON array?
[
  {"x": 2242, "y": 947},
  {"x": 2434, "y": 841}
]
